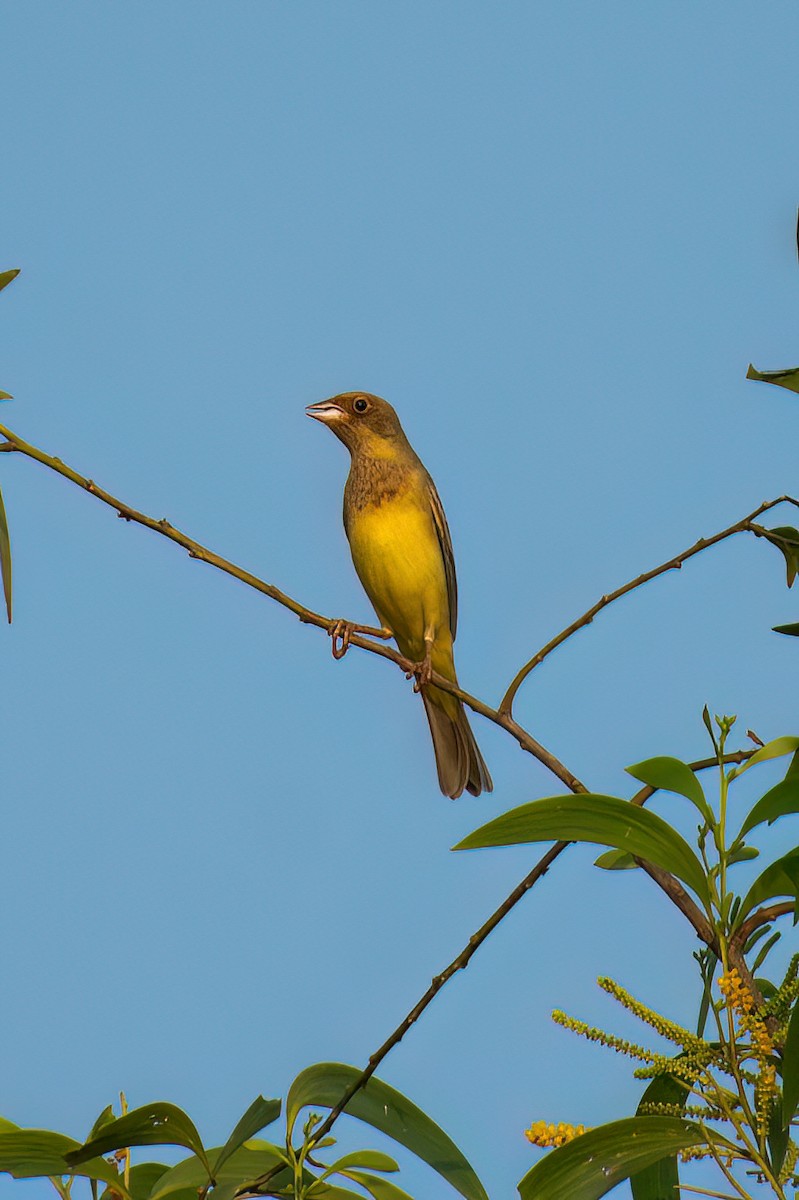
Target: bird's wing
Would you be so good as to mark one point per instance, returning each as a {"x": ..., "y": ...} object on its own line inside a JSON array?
[{"x": 445, "y": 542}]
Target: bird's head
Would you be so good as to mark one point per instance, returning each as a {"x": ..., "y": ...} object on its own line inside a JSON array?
[{"x": 363, "y": 422}]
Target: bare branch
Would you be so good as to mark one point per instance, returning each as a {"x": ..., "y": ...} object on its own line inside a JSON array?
[
  {"x": 762, "y": 917},
  {"x": 306, "y": 615},
  {"x": 745, "y": 525},
  {"x": 501, "y": 717}
]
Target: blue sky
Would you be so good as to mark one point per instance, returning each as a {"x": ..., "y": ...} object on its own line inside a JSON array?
[{"x": 553, "y": 236}]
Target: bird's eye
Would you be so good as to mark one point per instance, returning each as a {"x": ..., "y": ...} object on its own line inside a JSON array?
[{"x": 360, "y": 405}]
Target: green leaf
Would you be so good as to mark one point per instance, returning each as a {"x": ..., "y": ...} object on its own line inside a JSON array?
[
  {"x": 143, "y": 1178},
  {"x": 775, "y": 749},
  {"x": 742, "y": 854},
  {"x": 790, "y": 630},
  {"x": 373, "y": 1159},
  {"x": 6, "y": 277},
  {"x": 709, "y": 727},
  {"x": 764, "y": 950},
  {"x": 786, "y": 539},
  {"x": 781, "y": 878},
  {"x": 787, "y": 379},
  {"x": 661, "y": 1178},
  {"x": 5, "y": 557},
  {"x": 105, "y": 1118},
  {"x": 778, "y": 802},
  {"x": 616, "y": 860},
  {"x": 31, "y": 1153},
  {"x": 327, "y": 1191},
  {"x": 673, "y": 775},
  {"x": 248, "y": 1162},
  {"x": 388, "y": 1110},
  {"x": 158, "y": 1124},
  {"x": 260, "y": 1114},
  {"x": 603, "y": 820},
  {"x": 790, "y": 1069},
  {"x": 381, "y": 1189},
  {"x": 6, "y": 1126},
  {"x": 778, "y": 1136},
  {"x": 598, "y": 1160},
  {"x": 6, "y": 396}
]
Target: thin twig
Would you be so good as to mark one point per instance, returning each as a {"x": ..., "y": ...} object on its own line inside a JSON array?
[
  {"x": 501, "y": 717},
  {"x": 763, "y": 916},
  {"x": 306, "y": 615},
  {"x": 745, "y": 525},
  {"x": 461, "y": 961}
]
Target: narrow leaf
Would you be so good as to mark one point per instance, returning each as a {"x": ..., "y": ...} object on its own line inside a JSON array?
[
  {"x": 374, "y": 1160},
  {"x": 661, "y": 1178},
  {"x": 5, "y": 557},
  {"x": 600, "y": 1159},
  {"x": 775, "y": 749},
  {"x": 790, "y": 630},
  {"x": 790, "y": 1069},
  {"x": 781, "y": 878},
  {"x": 616, "y": 860},
  {"x": 778, "y": 802},
  {"x": 673, "y": 775},
  {"x": 6, "y": 396},
  {"x": 787, "y": 379},
  {"x": 602, "y": 820},
  {"x": 709, "y": 727},
  {"x": 246, "y": 1163},
  {"x": 31, "y": 1153},
  {"x": 151, "y": 1125},
  {"x": 6, "y": 277},
  {"x": 764, "y": 951},
  {"x": 105, "y": 1118},
  {"x": 381, "y": 1189},
  {"x": 260, "y": 1114},
  {"x": 778, "y": 1135},
  {"x": 388, "y": 1110}
]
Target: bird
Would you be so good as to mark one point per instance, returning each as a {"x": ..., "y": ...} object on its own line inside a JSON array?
[{"x": 402, "y": 553}]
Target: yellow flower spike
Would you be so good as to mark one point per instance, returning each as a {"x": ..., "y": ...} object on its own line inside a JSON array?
[
  {"x": 550, "y": 1135},
  {"x": 735, "y": 991}
]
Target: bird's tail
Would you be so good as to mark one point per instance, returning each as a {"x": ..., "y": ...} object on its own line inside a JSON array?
[{"x": 458, "y": 760}]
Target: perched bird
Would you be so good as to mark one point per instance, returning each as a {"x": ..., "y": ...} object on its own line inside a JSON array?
[{"x": 402, "y": 552}]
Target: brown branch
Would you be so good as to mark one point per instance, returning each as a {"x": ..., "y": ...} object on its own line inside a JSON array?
[
  {"x": 668, "y": 883},
  {"x": 762, "y": 917},
  {"x": 306, "y": 615},
  {"x": 745, "y": 525},
  {"x": 501, "y": 717}
]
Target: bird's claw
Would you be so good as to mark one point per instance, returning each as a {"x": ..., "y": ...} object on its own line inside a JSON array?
[
  {"x": 421, "y": 673},
  {"x": 340, "y": 632}
]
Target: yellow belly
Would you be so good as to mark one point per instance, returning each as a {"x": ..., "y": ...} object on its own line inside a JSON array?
[{"x": 398, "y": 558}]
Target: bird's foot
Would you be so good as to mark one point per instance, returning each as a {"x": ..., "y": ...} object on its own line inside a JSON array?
[
  {"x": 340, "y": 632},
  {"x": 421, "y": 673}
]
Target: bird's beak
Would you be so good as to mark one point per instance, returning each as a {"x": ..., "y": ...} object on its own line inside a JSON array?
[{"x": 325, "y": 411}]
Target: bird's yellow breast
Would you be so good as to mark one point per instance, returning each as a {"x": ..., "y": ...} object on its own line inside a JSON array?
[{"x": 397, "y": 555}]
